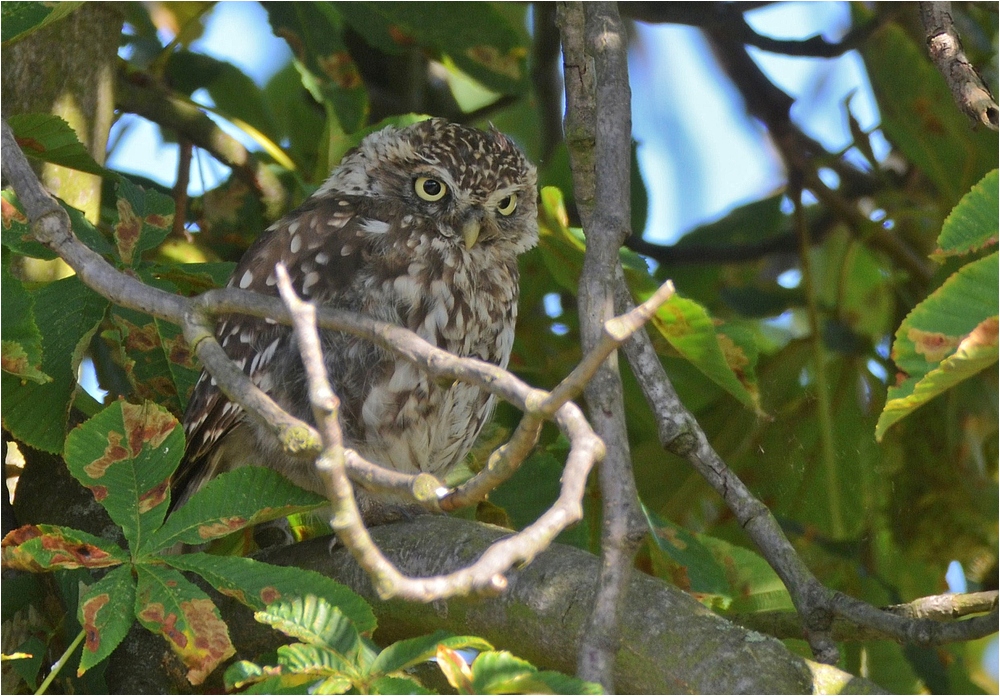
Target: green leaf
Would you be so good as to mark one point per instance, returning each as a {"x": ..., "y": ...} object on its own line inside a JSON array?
[
  {"x": 144, "y": 220},
  {"x": 502, "y": 673},
  {"x": 317, "y": 661},
  {"x": 316, "y": 621},
  {"x": 22, "y": 341},
  {"x": 920, "y": 117},
  {"x": 106, "y": 612},
  {"x": 125, "y": 456},
  {"x": 17, "y": 234},
  {"x": 688, "y": 327},
  {"x": 752, "y": 223},
  {"x": 22, "y": 18},
  {"x": 45, "y": 547},
  {"x": 973, "y": 224},
  {"x": 314, "y": 32},
  {"x": 678, "y": 556},
  {"x": 49, "y": 138},
  {"x": 408, "y": 653},
  {"x": 483, "y": 41},
  {"x": 947, "y": 338},
  {"x": 258, "y": 585},
  {"x": 37, "y": 413},
  {"x": 237, "y": 499},
  {"x": 168, "y": 604}
]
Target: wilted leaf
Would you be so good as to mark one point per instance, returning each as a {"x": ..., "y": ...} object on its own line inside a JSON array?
[
  {"x": 44, "y": 547},
  {"x": 947, "y": 338},
  {"x": 22, "y": 341},
  {"x": 167, "y": 604},
  {"x": 144, "y": 220}
]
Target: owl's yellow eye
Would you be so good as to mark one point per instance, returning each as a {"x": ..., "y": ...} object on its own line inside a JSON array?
[
  {"x": 430, "y": 189},
  {"x": 507, "y": 204}
]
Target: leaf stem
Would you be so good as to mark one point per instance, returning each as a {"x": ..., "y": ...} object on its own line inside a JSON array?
[{"x": 61, "y": 661}]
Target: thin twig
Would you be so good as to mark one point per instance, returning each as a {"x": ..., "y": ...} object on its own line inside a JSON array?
[
  {"x": 971, "y": 94},
  {"x": 787, "y": 624}
]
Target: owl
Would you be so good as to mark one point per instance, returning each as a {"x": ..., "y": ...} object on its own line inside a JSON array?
[{"x": 420, "y": 227}]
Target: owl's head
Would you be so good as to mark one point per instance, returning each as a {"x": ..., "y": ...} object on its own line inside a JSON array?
[{"x": 474, "y": 187}]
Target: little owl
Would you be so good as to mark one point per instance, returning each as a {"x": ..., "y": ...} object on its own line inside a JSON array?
[{"x": 420, "y": 227}]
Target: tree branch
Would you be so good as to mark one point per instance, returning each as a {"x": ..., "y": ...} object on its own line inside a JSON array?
[
  {"x": 138, "y": 95},
  {"x": 786, "y": 624},
  {"x": 703, "y": 15},
  {"x": 944, "y": 46},
  {"x": 816, "y": 605},
  {"x": 598, "y": 128}
]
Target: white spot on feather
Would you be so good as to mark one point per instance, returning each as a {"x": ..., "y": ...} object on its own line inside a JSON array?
[{"x": 246, "y": 280}]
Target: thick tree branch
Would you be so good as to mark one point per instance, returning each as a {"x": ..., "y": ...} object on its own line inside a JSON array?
[{"x": 945, "y": 48}]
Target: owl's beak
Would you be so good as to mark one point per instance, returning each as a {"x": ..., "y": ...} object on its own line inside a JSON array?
[{"x": 470, "y": 231}]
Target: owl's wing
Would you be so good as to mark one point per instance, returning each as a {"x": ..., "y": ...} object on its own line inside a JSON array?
[{"x": 321, "y": 244}]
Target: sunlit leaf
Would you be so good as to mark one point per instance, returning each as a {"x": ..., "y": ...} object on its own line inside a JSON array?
[
  {"x": 404, "y": 654},
  {"x": 502, "y": 673},
  {"x": 973, "y": 223},
  {"x": 125, "y": 456},
  {"x": 297, "y": 597}
]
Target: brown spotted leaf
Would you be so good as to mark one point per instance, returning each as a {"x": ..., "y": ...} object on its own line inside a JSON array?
[
  {"x": 947, "y": 338},
  {"x": 106, "y": 612},
  {"x": 168, "y": 604},
  {"x": 249, "y": 495},
  {"x": 45, "y": 547},
  {"x": 257, "y": 584},
  {"x": 125, "y": 456},
  {"x": 145, "y": 218}
]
